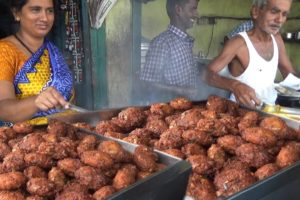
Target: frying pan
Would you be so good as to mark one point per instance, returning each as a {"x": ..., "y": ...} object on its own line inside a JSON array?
[
  {"x": 288, "y": 101},
  {"x": 287, "y": 96}
]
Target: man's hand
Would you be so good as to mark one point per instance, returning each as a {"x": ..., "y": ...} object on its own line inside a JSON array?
[
  {"x": 50, "y": 98},
  {"x": 245, "y": 95}
]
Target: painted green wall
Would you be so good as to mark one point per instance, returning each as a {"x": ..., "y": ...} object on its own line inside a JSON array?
[{"x": 208, "y": 37}]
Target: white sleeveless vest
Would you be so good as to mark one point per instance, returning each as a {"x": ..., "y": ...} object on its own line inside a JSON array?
[{"x": 260, "y": 73}]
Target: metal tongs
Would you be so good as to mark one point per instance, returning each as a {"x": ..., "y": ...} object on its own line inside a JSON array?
[
  {"x": 278, "y": 109},
  {"x": 73, "y": 107}
]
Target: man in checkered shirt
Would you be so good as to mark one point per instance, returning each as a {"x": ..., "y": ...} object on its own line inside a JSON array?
[
  {"x": 244, "y": 26},
  {"x": 170, "y": 67}
]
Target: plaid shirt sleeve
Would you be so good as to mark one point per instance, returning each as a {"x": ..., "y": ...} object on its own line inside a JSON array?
[
  {"x": 156, "y": 59},
  {"x": 245, "y": 26}
]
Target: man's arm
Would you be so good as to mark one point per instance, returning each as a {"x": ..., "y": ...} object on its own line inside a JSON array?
[
  {"x": 284, "y": 64},
  {"x": 243, "y": 93}
]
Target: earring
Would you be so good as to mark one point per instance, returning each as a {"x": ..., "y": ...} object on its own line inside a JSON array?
[{"x": 17, "y": 19}]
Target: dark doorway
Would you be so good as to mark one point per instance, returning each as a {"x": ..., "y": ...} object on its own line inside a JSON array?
[{"x": 6, "y": 19}]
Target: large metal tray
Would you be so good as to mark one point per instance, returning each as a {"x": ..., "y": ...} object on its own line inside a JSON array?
[
  {"x": 169, "y": 183},
  {"x": 93, "y": 117},
  {"x": 282, "y": 185}
]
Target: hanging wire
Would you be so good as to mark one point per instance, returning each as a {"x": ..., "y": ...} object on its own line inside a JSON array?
[{"x": 211, "y": 38}]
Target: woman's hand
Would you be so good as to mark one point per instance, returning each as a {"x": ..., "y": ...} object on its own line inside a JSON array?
[{"x": 50, "y": 98}]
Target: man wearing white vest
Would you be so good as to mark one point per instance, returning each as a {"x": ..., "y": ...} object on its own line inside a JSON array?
[{"x": 259, "y": 52}]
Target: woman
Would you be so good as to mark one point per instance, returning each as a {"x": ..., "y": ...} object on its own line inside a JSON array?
[{"x": 34, "y": 77}]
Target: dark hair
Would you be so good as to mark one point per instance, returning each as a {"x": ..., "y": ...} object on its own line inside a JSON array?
[
  {"x": 17, "y": 5},
  {"x": 261, "y": 3},
  {"x": 170, "y": 6}
]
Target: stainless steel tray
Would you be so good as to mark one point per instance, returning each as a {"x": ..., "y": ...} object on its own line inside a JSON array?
[
  {"x": 169, "y": 183},
  {"x": 93, "y": 117},
  {"x": 282, "y": 185},
  {"x": 290, "y": 122}
]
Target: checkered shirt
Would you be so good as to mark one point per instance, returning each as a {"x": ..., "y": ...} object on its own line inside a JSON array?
[
  {"x": 245, "y": 26},
  {"x": 169, "y": 59}
]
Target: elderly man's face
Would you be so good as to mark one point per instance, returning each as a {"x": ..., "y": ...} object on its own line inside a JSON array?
[{"x": 272, "y": 16}]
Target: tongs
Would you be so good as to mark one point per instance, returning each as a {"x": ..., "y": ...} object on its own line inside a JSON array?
[
  {"x": 73, "y": 107},
  {"x": 278, "y": 109}
]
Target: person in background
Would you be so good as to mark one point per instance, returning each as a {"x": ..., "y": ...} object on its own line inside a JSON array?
[
  {"x": 259, "y": 52},
  {"x": 242, "y": 27},
  {"x": 34, "y": 77},
  {"x": 170, "y": 69}
]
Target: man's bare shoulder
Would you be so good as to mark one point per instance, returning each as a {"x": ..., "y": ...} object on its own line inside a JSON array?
[
  {"x": 234, "y": 45},
  {"x": 236, "y": 41}
]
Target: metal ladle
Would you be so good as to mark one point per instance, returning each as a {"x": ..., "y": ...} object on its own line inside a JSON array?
[{"x": 73, "y": 107}]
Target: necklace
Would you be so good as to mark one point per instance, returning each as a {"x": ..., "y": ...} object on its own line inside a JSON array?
[{"x": 26, "y": 47}]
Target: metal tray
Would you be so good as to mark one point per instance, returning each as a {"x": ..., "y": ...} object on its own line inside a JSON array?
[
  {"x": 282, "y": 185},
  {"x": 93, "y": 117},
  {"x": 169, "y": 183}
]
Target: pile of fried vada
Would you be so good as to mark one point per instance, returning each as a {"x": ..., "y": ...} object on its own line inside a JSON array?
[
  {"x": 229, "y": 147},
  {"x": 63, "y": 163}
]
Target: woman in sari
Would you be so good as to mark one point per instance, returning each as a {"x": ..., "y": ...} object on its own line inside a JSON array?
[{"x": 34, "y": 77}]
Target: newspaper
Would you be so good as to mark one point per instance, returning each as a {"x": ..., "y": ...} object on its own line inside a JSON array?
[
  {"x": 291, "y": 81},
  {"x": 98, "y": 10}
]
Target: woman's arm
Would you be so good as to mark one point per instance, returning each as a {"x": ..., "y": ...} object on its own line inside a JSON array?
[{"x": 14, "y": 110}]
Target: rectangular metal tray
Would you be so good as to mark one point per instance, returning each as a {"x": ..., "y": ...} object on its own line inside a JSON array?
[
  {"x": 282, "y": 185},
  {"x": 93, "y": 117},
  {"x": 169, "y": 183}
]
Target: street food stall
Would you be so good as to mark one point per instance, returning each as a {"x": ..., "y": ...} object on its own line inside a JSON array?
[{"x": 203, "y": 148}]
